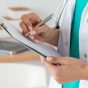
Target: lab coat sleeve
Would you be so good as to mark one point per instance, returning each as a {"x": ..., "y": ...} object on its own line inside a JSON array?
[{"x": 54, "y": 84}]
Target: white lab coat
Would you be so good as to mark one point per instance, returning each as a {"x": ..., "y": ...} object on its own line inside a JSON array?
[{"x": 64, "y": 39}]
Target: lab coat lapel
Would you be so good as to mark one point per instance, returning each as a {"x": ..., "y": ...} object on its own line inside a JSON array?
[{"x": 65, "y": 26}]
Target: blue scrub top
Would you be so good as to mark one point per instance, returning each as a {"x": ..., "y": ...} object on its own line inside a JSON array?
[{"x": 74, "y": 44}]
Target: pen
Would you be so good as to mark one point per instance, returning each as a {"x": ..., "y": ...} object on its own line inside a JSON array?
[{"x": 42, "y": 22}]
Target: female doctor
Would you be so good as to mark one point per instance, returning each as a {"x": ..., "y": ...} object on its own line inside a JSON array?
[{"x": 71, "y": 40}]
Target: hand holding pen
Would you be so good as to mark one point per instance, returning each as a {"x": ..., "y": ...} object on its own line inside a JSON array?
[
  {"x": 35, "y": 29},
  {"x": 42, "y": 22}
]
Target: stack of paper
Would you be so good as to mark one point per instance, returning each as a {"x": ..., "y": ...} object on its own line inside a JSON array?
[{"x": 41, "y": 48}]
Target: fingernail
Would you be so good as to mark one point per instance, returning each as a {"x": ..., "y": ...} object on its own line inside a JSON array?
[
  {"x": 37, "y": 41},
  {"x": 49, "y": 58},
  {"x": 31, "y": 37},
  {"x": 42, "y": 58},
  {"x": 32, "y": 32},
  {"x": 30, "y": 28}
]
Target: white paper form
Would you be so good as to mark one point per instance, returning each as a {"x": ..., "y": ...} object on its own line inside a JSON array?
[{"x": 41, "y": 48}]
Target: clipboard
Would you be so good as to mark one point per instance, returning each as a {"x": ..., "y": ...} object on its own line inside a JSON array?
[{"x": 43, "y": 49}]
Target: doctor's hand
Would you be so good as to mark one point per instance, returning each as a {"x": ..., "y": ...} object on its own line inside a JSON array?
[
  {"x": 38, "y": 34},
  {"x": 71, "y": 69}
]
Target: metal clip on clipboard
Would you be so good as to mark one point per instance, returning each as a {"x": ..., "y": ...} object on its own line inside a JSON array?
[{"x": 10, "y": 47}]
